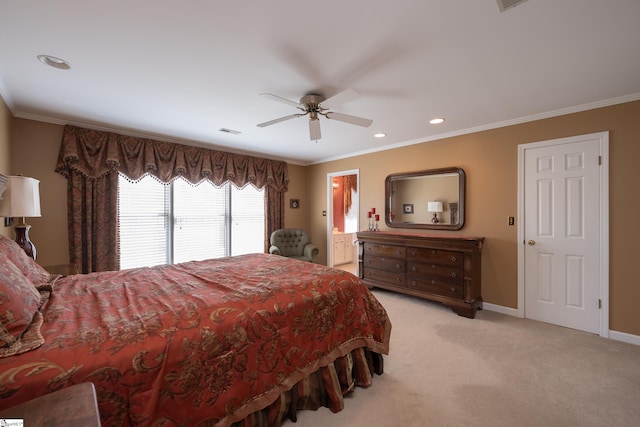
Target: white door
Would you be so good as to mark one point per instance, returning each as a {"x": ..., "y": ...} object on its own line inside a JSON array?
[
  {"x": 354, "y": 212},
  {"x": 564, "y": 220}
]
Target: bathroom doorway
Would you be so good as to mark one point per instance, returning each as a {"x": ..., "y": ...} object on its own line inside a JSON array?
[{"x": 343, "y": 213}]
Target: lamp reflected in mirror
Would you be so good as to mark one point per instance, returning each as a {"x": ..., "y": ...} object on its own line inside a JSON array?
[{"x": 435, "y": 207}]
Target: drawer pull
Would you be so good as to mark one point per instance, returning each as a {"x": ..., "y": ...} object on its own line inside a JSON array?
[
  {"x": 433, "y": 266},
  {"x": 433, "y": 282},
  {"x": 454, "y": 275},
  {"x": 453, "y": 259},
  {"x": 414, "y": 268},
  {"x": 413, "y": 283},
  {"x": 453, "y": 289},
  {"x": 397, "y": 266}
]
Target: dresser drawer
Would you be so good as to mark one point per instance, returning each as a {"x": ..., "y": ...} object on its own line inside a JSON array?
[
  {"x": 388, "y": 264},
  {"x": 435, "y": 256},
  {"x": 435, "y": 267},
  {"x": 441, "y": 272},
  {"x": 385, "y": 277},
  {"x": 438, "y": 287},
  {"x": 388, "y": 251}
]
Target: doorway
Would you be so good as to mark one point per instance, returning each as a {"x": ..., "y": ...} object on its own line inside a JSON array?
[
  {"x": 343, "y": 213},
  {"x": 563, "y": 242}
]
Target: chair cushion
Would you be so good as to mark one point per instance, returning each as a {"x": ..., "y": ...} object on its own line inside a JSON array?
[{"x": 290, "y": 241}]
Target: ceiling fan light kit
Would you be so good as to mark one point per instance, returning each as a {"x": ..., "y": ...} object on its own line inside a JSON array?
[{"x": 314, "y": 106}]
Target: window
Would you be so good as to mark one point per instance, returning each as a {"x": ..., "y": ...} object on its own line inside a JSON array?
[{"x": 180, "y": 222}]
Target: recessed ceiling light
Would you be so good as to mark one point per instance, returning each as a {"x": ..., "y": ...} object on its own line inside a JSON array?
[
  {"x": 54, "y": 62},
  {"x": 436, "y": 121},
  {"x": 379, "y": 135}
]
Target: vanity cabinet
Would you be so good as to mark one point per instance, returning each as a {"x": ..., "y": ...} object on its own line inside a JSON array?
[
  {"x": 342, "y": 248},
  {"x": 446, "y": 269}
]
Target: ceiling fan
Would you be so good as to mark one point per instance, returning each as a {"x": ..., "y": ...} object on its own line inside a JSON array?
[{"x": 315, "y": 105}]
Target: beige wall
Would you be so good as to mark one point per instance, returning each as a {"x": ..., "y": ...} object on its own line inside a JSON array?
[
  {"x": 5, "y": 153},
  {"x": 489, "y": 159},
  {"x": 299, "y": 217},
  {"x": 35, "y": 151}
]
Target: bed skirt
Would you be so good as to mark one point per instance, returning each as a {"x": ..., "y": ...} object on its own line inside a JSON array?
[{"x": 324, "y": 387}]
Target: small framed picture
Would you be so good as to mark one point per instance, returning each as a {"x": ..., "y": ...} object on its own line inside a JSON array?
[
  {"x": 407, "y": 208},
  {"x": 294, "y": 203}
]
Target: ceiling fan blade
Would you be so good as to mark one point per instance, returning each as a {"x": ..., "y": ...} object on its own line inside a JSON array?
[
  {"x": 339, "y": 99},
  {"x": 281, "y": 119},
  {"x": 349, "y": 119},
  {"x": 281, "y": 99},
  {"x": 314, "y": 129}
]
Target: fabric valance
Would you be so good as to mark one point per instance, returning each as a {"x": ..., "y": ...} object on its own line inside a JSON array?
[{"x": 94, "y": 154}]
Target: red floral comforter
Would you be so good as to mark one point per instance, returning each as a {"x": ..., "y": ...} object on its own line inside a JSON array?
[{"x": 203, "y": 342}]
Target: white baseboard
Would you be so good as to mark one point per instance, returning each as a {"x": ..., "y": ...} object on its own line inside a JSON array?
[
  {"x": 614, "y": 335},
  {"x": 624, "y": 337},
  {"x": 500, "y": 309}
]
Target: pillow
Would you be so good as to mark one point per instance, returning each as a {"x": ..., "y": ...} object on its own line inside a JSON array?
[
  {"x": 20, "y": 319},
  {"x": 34, "y": 272}
]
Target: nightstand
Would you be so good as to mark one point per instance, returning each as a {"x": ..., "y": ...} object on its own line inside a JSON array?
[
  {"x": 68, "y": 407},
  {"x": 64, "y": 269}
]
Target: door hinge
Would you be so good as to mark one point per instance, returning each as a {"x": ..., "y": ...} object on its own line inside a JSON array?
[
  {"x": 599, "y": 160},
  {"x": 599, "y": 303}
]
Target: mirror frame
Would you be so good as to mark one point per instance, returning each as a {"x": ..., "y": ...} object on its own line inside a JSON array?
[{"x": 430, "y": 226}]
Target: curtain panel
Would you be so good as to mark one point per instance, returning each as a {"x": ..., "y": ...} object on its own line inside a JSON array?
[
  {"x": 91, "y": 160},
  {"x": 350, "y": 183}
]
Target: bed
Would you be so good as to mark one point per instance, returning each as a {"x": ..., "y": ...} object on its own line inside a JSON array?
[{"x": 243, "y": 341}]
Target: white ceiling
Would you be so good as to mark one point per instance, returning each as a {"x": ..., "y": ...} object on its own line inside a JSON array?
[{"x": 180, "y": 71}]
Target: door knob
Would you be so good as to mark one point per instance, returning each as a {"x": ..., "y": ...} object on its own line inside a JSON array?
[{"x": 531, "y": 242}]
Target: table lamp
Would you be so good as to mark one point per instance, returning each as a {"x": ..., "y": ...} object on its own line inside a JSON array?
[
  {"x": 435, "y": 208},
  {"x": 21, "y": 200}
]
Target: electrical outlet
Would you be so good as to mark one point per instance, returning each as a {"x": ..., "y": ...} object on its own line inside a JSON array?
[{"x": 511, "y": 220}]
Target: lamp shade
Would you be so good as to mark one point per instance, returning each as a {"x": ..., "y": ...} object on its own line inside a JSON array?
[
  {"x": 434, "y": 206},
  {"x": 21, "y": 198},
  {"x": 3, "y": 184}
]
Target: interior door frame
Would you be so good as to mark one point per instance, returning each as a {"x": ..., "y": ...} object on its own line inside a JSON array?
[
  {"x": 330, "y": 177},
  {"x": 603, "y": 138}
]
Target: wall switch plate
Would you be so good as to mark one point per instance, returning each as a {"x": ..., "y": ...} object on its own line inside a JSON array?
[
  {"x": 324, "y": 213},
  {"x": 511, "y": 220}
]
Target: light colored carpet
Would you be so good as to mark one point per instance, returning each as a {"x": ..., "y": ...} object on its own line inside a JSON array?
[{"x": 494, "y": 370}]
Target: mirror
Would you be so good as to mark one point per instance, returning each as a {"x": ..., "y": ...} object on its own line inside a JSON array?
[{"x": 430, "y": 199}]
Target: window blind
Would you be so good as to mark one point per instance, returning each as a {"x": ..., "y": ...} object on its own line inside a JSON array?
[
  {"x": 144, "y": 219},
  {"x": 181, "y": 222},
  {"x": 247, "y": 220}
]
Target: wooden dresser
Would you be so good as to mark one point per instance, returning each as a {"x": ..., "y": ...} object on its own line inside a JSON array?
[{"x": 435, "y": 267}]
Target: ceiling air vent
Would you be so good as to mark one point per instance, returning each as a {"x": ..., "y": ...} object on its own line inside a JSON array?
[
  {"x": 508, "y": 4},
  {"x": 231, "y": 131}
]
